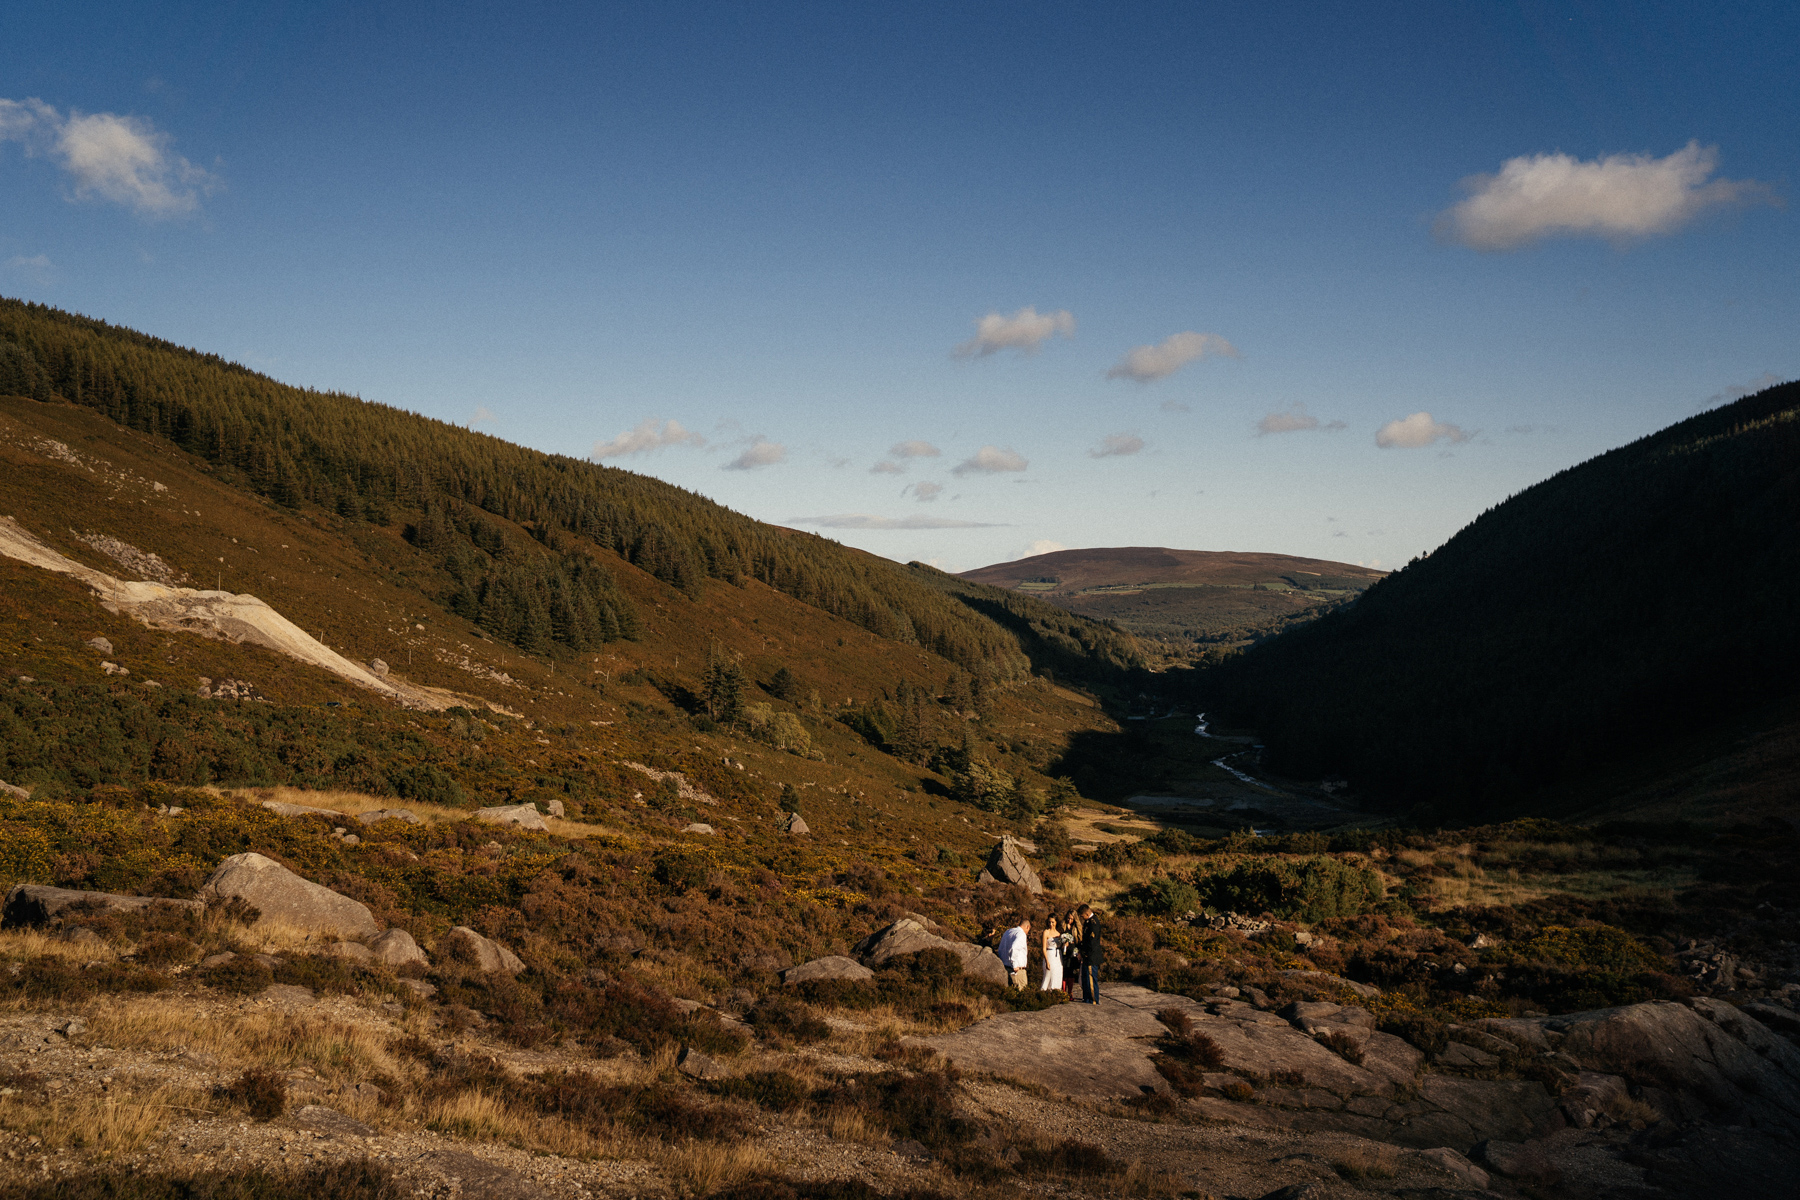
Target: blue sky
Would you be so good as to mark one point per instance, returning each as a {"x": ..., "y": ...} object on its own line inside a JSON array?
[{"x": 1322, "y": 280}]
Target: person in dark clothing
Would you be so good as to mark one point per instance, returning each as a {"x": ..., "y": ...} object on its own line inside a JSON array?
[{"x": 1090, "y": 956}]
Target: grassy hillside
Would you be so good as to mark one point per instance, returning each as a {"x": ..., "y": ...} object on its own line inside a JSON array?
[
  {"x": 1184, "y": 599},
  {"x": 1644, "y": 595}
]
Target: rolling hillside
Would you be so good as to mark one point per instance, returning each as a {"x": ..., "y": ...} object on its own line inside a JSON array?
[
  {"x": 1644, "y": 596},
  {"x": 1220, "y": 598}
]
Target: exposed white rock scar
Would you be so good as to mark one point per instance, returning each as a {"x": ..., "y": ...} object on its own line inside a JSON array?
[
  {"x": 480, "y": 670},
  {"x": 686, "y": 790},
  {"x": 139, "y": 562},
  {"x": 224, "y": 615},
  {"x": 60, "y": 452}
]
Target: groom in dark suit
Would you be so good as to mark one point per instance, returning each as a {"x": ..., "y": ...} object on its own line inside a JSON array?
[{"x": 1090, "y": 956}]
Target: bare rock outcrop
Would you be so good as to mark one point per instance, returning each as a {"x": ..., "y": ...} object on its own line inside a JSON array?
[
  {"x": 390, "y": 814},
  {"x": 485, "y": 953},
  {"x": 283, "y": 808},
  {"x": 524, "y": 816},
  {"x": 280, "y": 895},
  {"x": 909, "y": 936},
  {"x": 39, "y": 904},
  {"x": 15, "y": 791},
  {"x": 1007, "y": 864},
  {"x": 832, "y": 966},
  {"x": 794, "y": 823},
  {"x": 397, "y": 948}
]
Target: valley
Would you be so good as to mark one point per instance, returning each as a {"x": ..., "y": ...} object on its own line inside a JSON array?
[{"x": 603, "y": 842}]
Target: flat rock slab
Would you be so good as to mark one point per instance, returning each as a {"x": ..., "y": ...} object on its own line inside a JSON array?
[
  {"x": 331, "y": 1121},
  {"x": 834, "y": 966},
  {"x": 524, "y": 816},
  {"x": 285, "y": 809},
  {"x": 390, "y": 814},
  {"x": 478, "y": 1179},
  {"x": 282, "y": 896},
  {"x": 288, "y": 995},
  {"x": 36, "y": 904}
]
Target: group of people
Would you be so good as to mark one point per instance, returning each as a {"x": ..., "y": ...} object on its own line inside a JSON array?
[{"x": 1071, "y": 947}]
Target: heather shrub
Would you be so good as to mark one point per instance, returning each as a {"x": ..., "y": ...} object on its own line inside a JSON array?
[
  {"x": 1309, "y": 889},
  {"x": 261, "y": 1093}
]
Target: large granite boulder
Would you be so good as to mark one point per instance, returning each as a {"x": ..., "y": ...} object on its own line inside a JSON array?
[
  {"x": 282, "y": 808},
  {"x": 524, "y": 816},
  {"x": 1006, "y": 864},
  {"x": 397, "y": 948},
  {"x": 485, "y": 953},
  {"x": 909, "y": 935},
  {"x": 834, "y": 966},
  {"x": 38, "y": 904},
  {"x": 282, "y": 896}
]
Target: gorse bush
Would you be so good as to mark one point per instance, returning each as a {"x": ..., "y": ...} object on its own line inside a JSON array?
[{"x": 1308, "y": 889}]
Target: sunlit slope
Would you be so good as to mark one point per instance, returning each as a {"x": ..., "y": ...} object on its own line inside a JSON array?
[
  {"x": 1209, "y": 596},
  {"x": 1643, "y": 595}
]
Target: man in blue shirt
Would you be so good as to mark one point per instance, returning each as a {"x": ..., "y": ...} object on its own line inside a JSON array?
[{"x": 1015, "y": 951}]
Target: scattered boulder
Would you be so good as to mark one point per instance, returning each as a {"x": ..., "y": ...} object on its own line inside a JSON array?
[
  {"x": 833, "y": 966},
  {"x": 794, "y": 823},
  {"x": 696, "y": 1065},
  {"x": 909, "y": 936},
  {"x": 13, "y": 790},
  {"x": 290, "y": 995},
  {"x": 282, "y": 896},
  {"x": 302, "y": 810},
  {"x": 1006, "y": 864},
  {"x": 419, "y": 988},
  {"x": 485, "y": 953},
  {"x": 697, "y": 827},
  {"x": 378, "y": 667},
  {"x": 100, "y": 644},
  {"x": 396, "y": 947},
  {"x": 37, "y": 903},
  {"x": 354, "y": 952},
  {"x": 555, "y": 808},
  {"x": 390, "y": 814},
  {"x": 525, "y": 816}
]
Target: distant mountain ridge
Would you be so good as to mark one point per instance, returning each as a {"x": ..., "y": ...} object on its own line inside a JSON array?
[{"x": 1207, "y": 595}]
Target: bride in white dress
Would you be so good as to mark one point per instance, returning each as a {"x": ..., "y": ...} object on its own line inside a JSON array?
[{"x": 1053, "y": 975}]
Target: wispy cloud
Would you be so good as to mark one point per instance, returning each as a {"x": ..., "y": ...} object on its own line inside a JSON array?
[
  {"x": 1024, "y": 331},
  {"x": 1621, "y": 197},
  {"x": 1117, "y": 445},
  {"x": 868, "y": 521},
  {"x": 886, "y": 467},
  {"x": 1147, "y": 363},
  {"x": 37, "y": 266},
  {"x": 123, "y": 159},
  {"x": 650, "y": 434},
  {"x": 1294, "y": 420},
  {"x": 1418, "y": 430},
  {"x": 1731, "y": 394},
  {"x": 926, "y": 490},
  {"x": 761, "y": 452},
  {"x": 914, "y": 449},
  {"x": 990, "y": 460}
]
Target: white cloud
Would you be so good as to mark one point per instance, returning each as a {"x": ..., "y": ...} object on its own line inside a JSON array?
[
  {"x": 126, "y": 159},
  {"x": 37, "y": 266},
  {"x": 1294, "y": 420},
  {"x": 649, "y": 435},
  {"x": 1024, "y": 331},
  {"x": 1043, "y": 546},
  {"x": 924, "y": 490},
  {"x": 1410, "y": 433},
  {"x": 914, "y": 449},
  {"x": 1621, "y": 196},
  {"x": 483, "y": 416},
  {"x": 867, "y": 521},
  {"x": 884, "y": 467},
  {"x": 1117, "y": 445},
  {"x": 761, "y": 452},
  {"x": 991, "y": 460},
  {"x": 1732, "y": 394},
  {"x": 1147, "y": 363}
]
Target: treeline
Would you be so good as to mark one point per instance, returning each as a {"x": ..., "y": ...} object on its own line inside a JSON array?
[
  {"x": 362, "y": 460},
  {"x": 1637, "y": 597},
  {"x": 1060, "y": 644}
]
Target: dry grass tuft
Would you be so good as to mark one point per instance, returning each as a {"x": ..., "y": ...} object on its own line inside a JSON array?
[
  {"x": 352, "y": 803},
  {"x": 114, "y": 1123},
  {"x": 21, "y": 945},
  {"x": 702, "y": 1168},
  {"x": 1367, "y": 1160},
  {"x": 339, "y": 1051}
]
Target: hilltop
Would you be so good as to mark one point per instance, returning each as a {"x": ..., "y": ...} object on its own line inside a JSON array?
[
  {"x": 1638, "y": 601},
  {"x": 1204, "y": 597}
]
